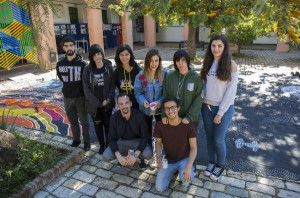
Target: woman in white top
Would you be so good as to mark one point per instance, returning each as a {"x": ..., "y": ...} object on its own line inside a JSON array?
[{"x": 220, "y": 75}]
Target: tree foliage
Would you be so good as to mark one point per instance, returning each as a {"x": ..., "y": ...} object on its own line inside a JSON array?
[
  {"x": 281, "y": 16},
  {"x": 214, "y": 14}
]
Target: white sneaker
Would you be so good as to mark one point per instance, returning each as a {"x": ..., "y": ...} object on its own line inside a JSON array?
[{"x": 153, "y": 163}]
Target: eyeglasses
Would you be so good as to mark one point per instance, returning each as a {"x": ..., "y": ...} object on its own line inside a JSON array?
[{"x": 172, "y": 108}]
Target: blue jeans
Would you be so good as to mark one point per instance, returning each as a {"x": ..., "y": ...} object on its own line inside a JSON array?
[
  {"x": 215, "y": 133},
  {"x": 164, "y": 175}
]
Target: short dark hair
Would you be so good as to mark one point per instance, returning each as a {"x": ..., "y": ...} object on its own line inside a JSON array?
[
  {"x": 94, "y": 49},
  {"x": 123, "y": 94},
  {"x": 119, "y": 50},
  {"x": 181, "y": 54},
  {"x": 68, "y": 39},
  {"x": 170, "y": 99}
]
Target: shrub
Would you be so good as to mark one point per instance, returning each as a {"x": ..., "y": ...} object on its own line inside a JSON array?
[{"x": 33, "y": 159}]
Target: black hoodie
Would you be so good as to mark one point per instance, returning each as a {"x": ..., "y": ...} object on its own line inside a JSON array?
[
  {"x": 70, "y": 73},
  {"x": 125, "y": 81}
]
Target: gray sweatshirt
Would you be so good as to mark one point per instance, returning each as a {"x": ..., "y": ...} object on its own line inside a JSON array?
[{"x": 220, "y": 93}]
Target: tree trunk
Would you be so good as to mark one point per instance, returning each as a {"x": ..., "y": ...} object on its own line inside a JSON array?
[{"x": 192, "y": 42}]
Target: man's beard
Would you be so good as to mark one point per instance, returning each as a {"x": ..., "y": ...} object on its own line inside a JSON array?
[
  {"x": 125, "y": 111},
  {"x": 70, "y": 53}
]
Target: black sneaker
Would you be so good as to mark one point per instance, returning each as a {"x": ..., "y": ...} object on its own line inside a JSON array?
[
  {"x": 210, "y": 168},
  {"x": 217, "y": 173},
  {"x": 75, "y": 143},
  {"x": 87, "y": 146},
  {"x": 142, "y": 165},
  {"x": 101, "y": 150}
]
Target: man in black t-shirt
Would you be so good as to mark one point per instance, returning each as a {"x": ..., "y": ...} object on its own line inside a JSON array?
[
  {"x": 180, "y": 146},
  {"x": 69, "y": 71}
]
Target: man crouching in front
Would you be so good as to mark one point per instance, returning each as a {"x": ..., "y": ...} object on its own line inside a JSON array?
[
  {"x": 180, "y": 147},
  {"x": 128, "y": 135}
]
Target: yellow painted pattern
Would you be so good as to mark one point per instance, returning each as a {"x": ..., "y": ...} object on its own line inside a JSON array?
[
  {"x": 45, "y": 118},
  {"x": 2, "y": 1},
  {"x": 8, "y": 59},
  {"x": 31, "y": 56},
  {"x": 15, "y": 110},
  {"x": 15, "y": 29},
  {"x": 20, "y": 3}
]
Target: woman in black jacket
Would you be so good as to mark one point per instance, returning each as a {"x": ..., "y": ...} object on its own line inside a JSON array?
[
  {"x": 99, "y": 91},
  {"x": 125, "y": 72}
]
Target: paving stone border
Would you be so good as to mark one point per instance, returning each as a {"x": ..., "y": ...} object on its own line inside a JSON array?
[
  {"x": 47, "y": 177},
  {"x": 90, "y": 176}
]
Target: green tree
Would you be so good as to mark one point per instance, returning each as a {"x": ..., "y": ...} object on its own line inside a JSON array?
[
  {"x": 241, "y": 34},
  {"x": 280, "y": 16},
  {"x": 214, "y": 14}
]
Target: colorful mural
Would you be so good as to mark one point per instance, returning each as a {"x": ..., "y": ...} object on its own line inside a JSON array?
[
  {"x": 15, "y": 33},
  {"x": 38, "y": 107}
]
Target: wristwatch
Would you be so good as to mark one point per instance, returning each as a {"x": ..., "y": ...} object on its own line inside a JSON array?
[{"x": 131, "y": 152}]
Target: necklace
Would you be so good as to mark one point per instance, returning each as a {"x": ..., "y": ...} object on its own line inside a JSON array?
[
  {"x": 128, "y": 82},
  {"x": 180, "y": 85}
]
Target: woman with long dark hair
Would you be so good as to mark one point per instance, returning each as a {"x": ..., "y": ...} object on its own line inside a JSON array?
[
  {"x": 126, "y": 71},
  {"x": 220, "y": 75},
  {"x": 99, "y": 90},
  {"x": 148, "y": 87}
]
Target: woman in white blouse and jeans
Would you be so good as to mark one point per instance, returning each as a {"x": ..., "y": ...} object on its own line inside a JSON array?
[{"x": 220, "y": 75}]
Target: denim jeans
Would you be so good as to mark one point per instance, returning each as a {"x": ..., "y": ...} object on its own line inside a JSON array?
[
  {"x": 164, "y": 175},
  {"x": 215, "y": 133}
]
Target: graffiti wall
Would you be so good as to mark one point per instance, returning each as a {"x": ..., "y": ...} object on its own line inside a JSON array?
[
  {"x": 38, "y": 107},
  {"x": 15, "y": 33}
]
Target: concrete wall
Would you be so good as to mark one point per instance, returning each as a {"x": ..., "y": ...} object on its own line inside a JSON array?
[
  {"x": 266, "y": 40},
  {"x": 64, "y": 16},
  {"x": 112, "y": 16},
  {"x": 63, "y": 13},
  {"x": 174, "y": 33},
  {"x": 204, "y": 33}
]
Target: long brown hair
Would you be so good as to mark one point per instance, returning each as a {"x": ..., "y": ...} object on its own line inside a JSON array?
[
  {"x": 224, "y": 64},
  {"x": 158, "y": 73}
]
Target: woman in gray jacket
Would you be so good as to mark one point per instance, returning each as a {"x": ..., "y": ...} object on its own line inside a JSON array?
[{"x": 99, "y": 91}]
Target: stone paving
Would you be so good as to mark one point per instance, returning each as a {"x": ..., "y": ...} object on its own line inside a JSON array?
[{"x": 93, "y": 177}]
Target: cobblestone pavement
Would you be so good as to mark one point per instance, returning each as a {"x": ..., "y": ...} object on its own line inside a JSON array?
[{"x": 93, "y": 177}]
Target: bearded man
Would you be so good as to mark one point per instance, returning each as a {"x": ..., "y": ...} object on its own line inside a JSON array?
[
  {"x": 128, "y": 135},
  {"x": 69, "y": 71}
]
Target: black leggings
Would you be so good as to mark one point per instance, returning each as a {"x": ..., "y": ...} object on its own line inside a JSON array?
[{"x": 102, "y": 119}]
